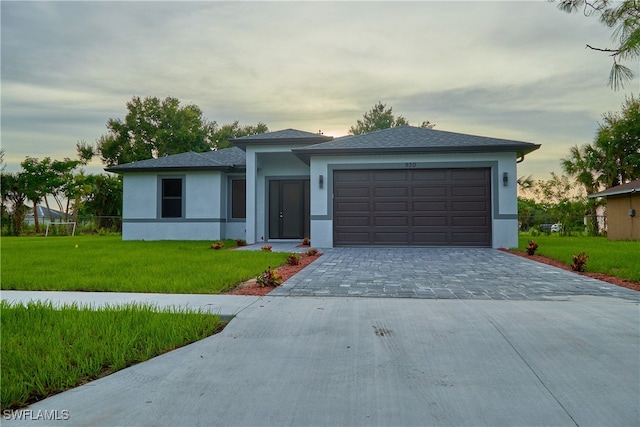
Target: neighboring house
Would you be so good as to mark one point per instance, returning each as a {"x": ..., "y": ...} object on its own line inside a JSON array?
[
  {"x": 44, "y": 216},
  {"x": 623, "y": 208},
  {"x": 403, "y": 186}
]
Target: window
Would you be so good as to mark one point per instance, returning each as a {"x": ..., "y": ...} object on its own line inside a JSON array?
[
  {"x": 171, "y": 198},
  {"x": 239, "y": 198}
]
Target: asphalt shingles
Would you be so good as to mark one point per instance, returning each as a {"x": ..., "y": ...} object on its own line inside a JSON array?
[{"x": 440, "y": 273}]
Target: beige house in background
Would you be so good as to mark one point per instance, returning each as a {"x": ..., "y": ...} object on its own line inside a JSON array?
[{"x": 623, "y": 211}]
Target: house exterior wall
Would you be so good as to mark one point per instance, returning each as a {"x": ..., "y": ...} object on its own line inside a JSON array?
[
  {"x": 620, "y": 225},
  {"x": 503, "y": 198},
  {"x": 205, "y": 207},
  {"x": 264, "y": 164}
]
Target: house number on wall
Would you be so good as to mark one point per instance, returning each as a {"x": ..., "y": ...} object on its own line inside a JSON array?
[{"x": 410, "y": 165}]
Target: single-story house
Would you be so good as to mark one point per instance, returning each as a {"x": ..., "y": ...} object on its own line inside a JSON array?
[
  {"x": 403, "y": 186},
  {"x": 623, "y": 207},
  {"x": 45, "y": 216}
]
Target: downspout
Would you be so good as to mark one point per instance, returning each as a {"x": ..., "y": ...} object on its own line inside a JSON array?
[{"x": 521, "y": 159}]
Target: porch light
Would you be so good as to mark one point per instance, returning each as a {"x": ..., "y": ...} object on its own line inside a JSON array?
[
  {"x": 321, "y": 181},
  {"x": 505, "y": 179}
]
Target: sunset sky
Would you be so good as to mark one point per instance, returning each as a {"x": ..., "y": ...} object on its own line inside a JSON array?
[{"x": 516, "y": 70}]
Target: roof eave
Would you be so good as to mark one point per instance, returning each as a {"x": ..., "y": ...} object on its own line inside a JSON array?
[
  {"x": 242, "y": 143},
  {"x": 225, "y": 168},
  {"x": 606, "y": 193},
  {"x": 306, "y": 154}
]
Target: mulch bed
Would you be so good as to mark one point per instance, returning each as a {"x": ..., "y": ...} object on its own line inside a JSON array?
[
  {"x": 625, "y": 283},
  {"x": 251, "y": 287}
]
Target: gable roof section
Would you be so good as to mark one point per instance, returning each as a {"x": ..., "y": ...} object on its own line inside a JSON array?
[
  {"x": 410, "y": 139},
  {"x": 227, "y": 159},
  {"x": 286, "y": 136},
  {"x": 628, "y": 188}
]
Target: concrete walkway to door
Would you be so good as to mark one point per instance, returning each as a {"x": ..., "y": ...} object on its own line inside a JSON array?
[{"x": 441, "y": 273}]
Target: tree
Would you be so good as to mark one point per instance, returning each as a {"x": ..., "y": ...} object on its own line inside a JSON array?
[
  {"x": 222, "y": 135},
  {"x": 614, "y": 156},
  {"x": 12, "y": 192},
  {"x": 624, "y": 18},
  {"x": 381, "y": 117},
  {"x": 37, "y": 176},
  {"x": 154, "y": 128},
  {"x": 102, "y": 199}
]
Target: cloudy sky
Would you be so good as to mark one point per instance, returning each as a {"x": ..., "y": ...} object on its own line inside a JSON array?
[{"x": 515, "y": 70}]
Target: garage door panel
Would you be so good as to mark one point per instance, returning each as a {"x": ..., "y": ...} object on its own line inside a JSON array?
[
  {"x": 353, "y": 206},
  {"x": 390, "y": 206},
  {"x": 352, "y": 176},
  {"x": 351, "y": 192},
  {"x": 468, "y": 174},
  {"x": 429, "y": 191},
  {"x": 383, "y": 176},
  {"x": 353, "y": 221},
  {"x": 391, "y": 221},
  {"x": 429, "y": 221},
  {"x": 470, "y": 221},
  {"x": 431, "y": 206},
  {"x": 391, "y": 237},
  {"x": 420, "y": 207},
  {"x": 430, "y": 239},
  {"x": 430, "y": 175},
  {"x": 469, "y": 191},
  {"x": 391, "y": 191}
]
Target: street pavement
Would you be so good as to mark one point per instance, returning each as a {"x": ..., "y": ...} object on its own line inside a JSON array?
[{"x": 568, "y": 356}]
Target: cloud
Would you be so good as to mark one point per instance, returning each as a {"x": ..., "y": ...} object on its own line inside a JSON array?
[{"x": 505, "y": 69}]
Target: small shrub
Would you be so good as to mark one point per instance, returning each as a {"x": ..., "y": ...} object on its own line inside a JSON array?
[
  {"x": 241, "y": 242},
  {"x": 579, "y": 262},
  {"x": 306, "y": 241},
  {"x": 312, "y": 252},
  {"x": 532, "y": 247},
  {"x": 293, "y": 259},
  {"x": 269, "y": 278},
  {"x": 266, "y": 248},
  {"x": 217, "y": 245}
]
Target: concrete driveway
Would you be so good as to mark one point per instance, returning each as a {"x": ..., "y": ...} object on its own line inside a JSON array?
[{"x": 569, "y": 358}]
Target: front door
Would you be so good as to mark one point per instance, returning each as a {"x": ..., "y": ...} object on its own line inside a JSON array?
[{"x": 289, "y": 209}]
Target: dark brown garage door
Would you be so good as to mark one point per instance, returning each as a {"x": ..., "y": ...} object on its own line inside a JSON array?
[{"x": 412, "y": 207}]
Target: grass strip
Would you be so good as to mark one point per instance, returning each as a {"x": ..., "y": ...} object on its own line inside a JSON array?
[
  {"x": 106, "y": 263},
  {"x": 618, "y": 258},
  {"x": 46, "y": 350}
]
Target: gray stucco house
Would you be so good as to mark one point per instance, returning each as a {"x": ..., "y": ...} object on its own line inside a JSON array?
[{"x": 403, "y": 186}]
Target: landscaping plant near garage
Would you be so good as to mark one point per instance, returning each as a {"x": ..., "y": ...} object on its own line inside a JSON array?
[
  {"x": 46, "y": 350},
  {"x": 106, "y": 263},
  {"x": 614, "y": 258}
]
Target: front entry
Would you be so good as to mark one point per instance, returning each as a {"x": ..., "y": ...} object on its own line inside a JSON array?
[{"x": 289, "y": 209}]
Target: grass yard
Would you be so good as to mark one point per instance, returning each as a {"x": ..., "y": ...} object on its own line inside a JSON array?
[
  {"x": 47, "y": 350},
  {"x": 106, "y": 263},
  {"x": 614, "y": 258}
]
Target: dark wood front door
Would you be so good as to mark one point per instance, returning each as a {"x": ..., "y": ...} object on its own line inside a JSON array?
[{"x": 289, "y": 209}]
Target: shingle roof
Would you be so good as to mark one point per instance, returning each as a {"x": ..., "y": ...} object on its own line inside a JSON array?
[
  {"x": 225, "y": 159},
  {"x": 628, "y": 188},
  {"x": 411, "y": 139},
  {"x": 288, "y": 136}
]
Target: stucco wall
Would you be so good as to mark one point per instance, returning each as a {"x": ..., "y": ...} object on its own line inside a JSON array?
[
  {"x": 504, "y": 199},
  {"x": 205, "y": 207},
  {"x": 621, "y": 226},
  {"x": 263, "y": 164}
]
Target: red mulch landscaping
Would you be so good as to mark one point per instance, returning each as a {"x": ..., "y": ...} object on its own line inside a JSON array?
[
  {"x": 625, "y": 283},
  {"x": 251, "y": 287}
]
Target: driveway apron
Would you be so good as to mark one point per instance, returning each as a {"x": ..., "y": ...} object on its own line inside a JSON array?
[{"x": 440, "y": 273}]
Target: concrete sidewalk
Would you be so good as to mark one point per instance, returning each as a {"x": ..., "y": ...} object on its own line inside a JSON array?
[
  {"x": 224, "y": 305},
  {"x": 381, "y": 361}
]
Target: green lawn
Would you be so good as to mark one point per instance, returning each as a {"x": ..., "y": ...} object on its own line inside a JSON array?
[
  {"x": 46, "y": 350},
  {"x": 615, "y": 258},
  {"x": 106, "y": 263}
]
